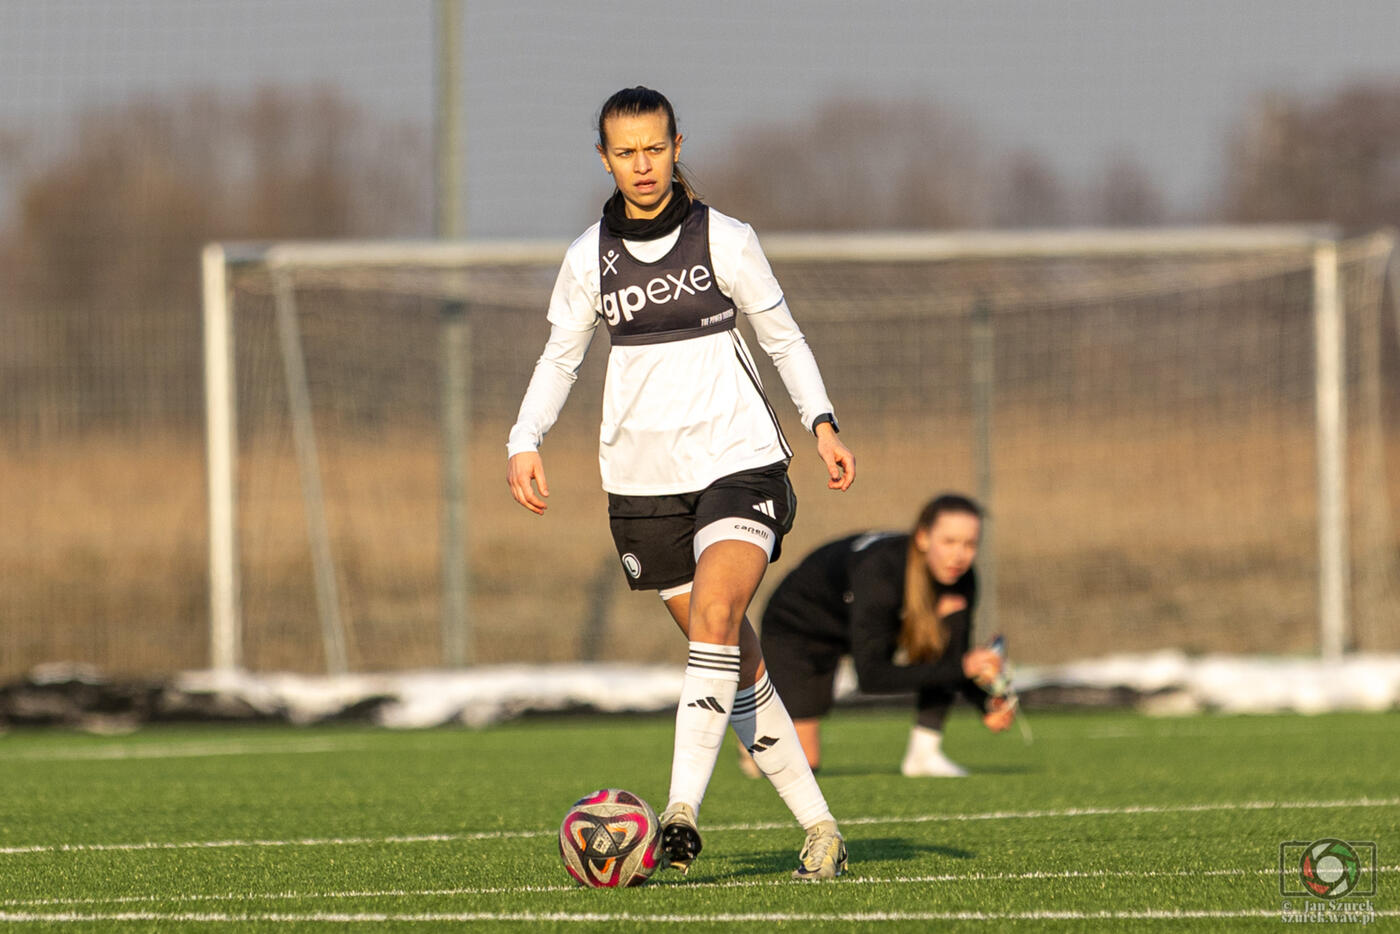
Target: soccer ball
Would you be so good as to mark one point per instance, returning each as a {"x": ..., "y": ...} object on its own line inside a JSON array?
[{"x": 610, "y": 838}]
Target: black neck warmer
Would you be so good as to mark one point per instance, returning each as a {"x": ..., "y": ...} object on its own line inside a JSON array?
[{"x": 645, "y": 228}]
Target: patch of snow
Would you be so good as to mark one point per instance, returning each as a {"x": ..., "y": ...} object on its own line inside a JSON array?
[
  {"x": 1235, "y": 684},
  {"x": 473, "y": 696},
  {"x": 1167, "y": 683}
]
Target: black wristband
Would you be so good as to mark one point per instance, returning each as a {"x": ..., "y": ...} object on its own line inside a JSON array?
[{"x": 826, "y": 418}]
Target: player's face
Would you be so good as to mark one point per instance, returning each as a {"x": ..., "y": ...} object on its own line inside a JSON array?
[
  {"x": 640, "y": 157},
  {"x": 950, "y": 545}
]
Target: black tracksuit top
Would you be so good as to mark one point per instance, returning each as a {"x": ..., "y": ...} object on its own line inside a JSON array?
[{"x": 848, "y": 595}]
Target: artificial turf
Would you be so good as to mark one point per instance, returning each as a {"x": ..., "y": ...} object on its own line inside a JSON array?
[{"x": 1107, "y": 821}]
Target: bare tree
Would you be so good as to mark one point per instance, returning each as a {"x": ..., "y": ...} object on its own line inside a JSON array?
[
  {"x": 866, "y": 165},
  {"x": 1336, "y": 159},
  {"x": 856, "y": 165},
  {"x": 1124, "y": 195},
  {"x": 1028, "y": 193},
  {"x": 105, "y": 246}
]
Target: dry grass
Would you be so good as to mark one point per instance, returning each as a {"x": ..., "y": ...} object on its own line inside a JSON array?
[
  {"x": 102, "y": 558},
  {"x": 1133, "y": 536}
]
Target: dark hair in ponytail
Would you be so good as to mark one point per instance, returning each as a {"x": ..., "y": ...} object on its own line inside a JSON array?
[{"x": 632, "y": 102}]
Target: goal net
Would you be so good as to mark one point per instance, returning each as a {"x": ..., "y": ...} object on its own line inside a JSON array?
[{"x": 1186, "y": 439}]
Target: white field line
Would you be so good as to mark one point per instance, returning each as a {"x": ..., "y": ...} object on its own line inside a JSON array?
[
  {"x": 961, "y": 878},
  {"x": 770, "y": 825},
  {"x": 527, "y": 917},
  {"x": 183, "y": 750},
  {"x": 1168, "y": 728}
]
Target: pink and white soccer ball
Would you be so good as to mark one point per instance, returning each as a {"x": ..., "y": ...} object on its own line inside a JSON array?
[{"x": 610, "y": 838}]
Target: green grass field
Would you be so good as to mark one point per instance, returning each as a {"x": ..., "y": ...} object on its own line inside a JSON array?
[{"x": 1108, "y": 821}]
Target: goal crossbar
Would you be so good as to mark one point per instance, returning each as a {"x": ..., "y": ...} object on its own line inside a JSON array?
[{"x": 884, "y": 247}]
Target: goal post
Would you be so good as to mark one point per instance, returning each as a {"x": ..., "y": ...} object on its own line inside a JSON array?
[
  {"x": 1330, "y": 393},
  {"x": 1008, "y": 364},
  {"x": 221, "y": 446}
]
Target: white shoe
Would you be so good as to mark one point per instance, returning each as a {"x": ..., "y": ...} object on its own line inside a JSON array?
[
  {"x": 935, "y": 765},
  {"x": 823, "y": 854},
  {"x": 924, "y": 757}
]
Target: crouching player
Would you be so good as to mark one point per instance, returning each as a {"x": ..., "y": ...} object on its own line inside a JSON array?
[{"x": 901, "y": 606}]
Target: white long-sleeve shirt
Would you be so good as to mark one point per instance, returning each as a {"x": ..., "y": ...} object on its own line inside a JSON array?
[{"x": 676, "y": 415}]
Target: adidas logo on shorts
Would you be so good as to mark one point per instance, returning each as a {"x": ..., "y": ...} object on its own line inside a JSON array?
[{"x": 766, "y": 507}]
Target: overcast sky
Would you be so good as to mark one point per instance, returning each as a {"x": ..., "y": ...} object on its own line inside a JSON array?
[{"x": 1072, "y": 79}]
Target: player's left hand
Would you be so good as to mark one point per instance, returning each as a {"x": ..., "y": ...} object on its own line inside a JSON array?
[
  {"x": 840, "y": 462},
  {"x": 1000, "y": 714}
]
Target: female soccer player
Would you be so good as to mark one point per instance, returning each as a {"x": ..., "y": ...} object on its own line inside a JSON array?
[
  {"x": 901, "y": 606},
  {"x": 691, "y": 453}
]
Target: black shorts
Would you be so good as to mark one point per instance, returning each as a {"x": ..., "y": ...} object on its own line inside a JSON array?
[
  {"x": 655, "y": 535},
  {"x": 802, "y": 669}
]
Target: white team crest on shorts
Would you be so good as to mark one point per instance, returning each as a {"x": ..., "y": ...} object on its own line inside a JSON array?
[{"x": 632, "y": 566}]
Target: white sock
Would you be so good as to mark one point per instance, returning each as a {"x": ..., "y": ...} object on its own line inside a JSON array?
[
  {"x": 707, "y": 697},
  {"x": 762, "y": 724},
  {"x": 925, "y": 755},
  {"x": 924, "y": 741}
]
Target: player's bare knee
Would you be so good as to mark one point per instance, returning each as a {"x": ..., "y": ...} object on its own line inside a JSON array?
[{"x": 716, "y": 620}]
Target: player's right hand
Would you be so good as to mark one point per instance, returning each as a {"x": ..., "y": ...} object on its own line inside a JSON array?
[
  {"x": 525, "y": 467},
  {"x": 982, "y": 666},
  {"x": 1000, "y": 713}
]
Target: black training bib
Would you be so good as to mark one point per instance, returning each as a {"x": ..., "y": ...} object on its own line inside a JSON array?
[{"x": 675, "y": 298}]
